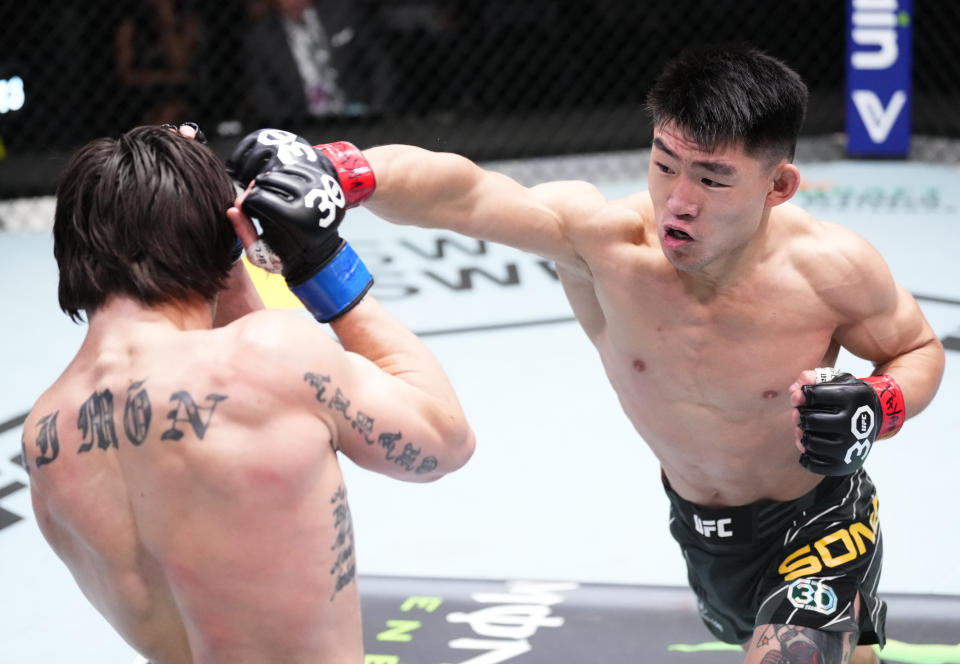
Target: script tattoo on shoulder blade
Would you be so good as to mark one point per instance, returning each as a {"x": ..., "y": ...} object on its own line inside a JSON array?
[
  {"x": 23, "y": 451},
  {"x": 47, "y": 440},
  {"x": 137, "y": 413},
  {"x": 188, "y": 411},
  {"x": 95, "y": 422}
]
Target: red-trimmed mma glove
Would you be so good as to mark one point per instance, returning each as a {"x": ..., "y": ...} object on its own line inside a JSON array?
[
  {"x": 842, "y": 417},
  {"x": 299, "y": 207},
  {"x": 268, "y": 149}
]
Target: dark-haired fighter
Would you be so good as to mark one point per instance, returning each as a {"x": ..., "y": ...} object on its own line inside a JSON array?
[
  {"x": 711, "y": 300},
  {"x": 186, "y": 473}
]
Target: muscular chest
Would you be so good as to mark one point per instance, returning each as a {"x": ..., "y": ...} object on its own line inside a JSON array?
[{"x": 746, "y": 343}]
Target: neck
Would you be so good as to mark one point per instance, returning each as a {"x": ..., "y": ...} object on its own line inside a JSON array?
[
  {"x": 722, "y": 273},
  {"x": 194, "y": 314}
]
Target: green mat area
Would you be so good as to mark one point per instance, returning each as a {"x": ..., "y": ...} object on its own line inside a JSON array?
[{"x": 432, "y": 621}]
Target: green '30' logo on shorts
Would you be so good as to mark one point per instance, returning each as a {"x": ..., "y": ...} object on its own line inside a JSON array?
[{"x": 812, "y": 595}]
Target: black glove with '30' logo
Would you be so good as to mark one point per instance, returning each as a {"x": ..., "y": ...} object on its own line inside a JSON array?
[{"x": 842, "y": 416}]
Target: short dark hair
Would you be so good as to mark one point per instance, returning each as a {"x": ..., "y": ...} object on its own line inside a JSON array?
[
  {"x": 721, "y": 95},
  {"x": 144, "y": 216}
]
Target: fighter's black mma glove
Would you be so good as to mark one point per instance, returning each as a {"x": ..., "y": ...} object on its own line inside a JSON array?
[
  {"x": 267, "y": 149},
  {"x": 843, "y": 416},
  {"x": 299, "y": 207}
]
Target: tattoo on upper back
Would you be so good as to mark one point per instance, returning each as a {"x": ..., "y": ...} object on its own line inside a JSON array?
[
  {"x": 793, "y": 644},
  {"x": 95, "y": 422},
  {"x": 47, "y": 440},
  {"x": 344, "y": 566},
  {"x": 187, "y": 406},
  {"x": 23, "y": 451},
  {"x": 363, "y": 424},
  {"x": 137, "y": 413}
]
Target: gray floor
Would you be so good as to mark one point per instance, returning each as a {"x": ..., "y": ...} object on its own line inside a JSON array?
[{"x": 561, "y": 489}]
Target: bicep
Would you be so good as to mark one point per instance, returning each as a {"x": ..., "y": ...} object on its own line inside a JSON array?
[
  {"x": 402, "y": 421},
  {"x": 444, "y": 190},
  {"x": 894, "y": 328}
]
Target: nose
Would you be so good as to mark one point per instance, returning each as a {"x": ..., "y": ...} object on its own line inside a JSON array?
[{"x": 682, "y": 199}]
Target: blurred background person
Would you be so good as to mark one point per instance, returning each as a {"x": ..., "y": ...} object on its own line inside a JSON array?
[
  {"x": 312, "y": 59},
  {"x": 155, "y": 51}
]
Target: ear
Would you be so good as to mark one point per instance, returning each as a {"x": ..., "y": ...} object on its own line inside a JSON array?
[{"x": 786, "y": 181}]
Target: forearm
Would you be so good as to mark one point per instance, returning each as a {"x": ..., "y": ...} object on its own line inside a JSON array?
[
  {"x": 918, "y": 373},
  {"x": 371, "y": 331},
  {"x": 430, "y": 405}
]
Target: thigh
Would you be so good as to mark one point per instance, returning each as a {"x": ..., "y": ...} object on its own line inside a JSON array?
[{"x": 794, "y": 644}]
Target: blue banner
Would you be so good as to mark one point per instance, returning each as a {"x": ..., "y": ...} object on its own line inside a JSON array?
[{"x": 879, "y": 44}]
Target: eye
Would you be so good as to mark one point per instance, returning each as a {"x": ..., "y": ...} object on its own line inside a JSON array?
[
  {"x": 712, "y": 183},
  {"x": 663, "y": 167}
]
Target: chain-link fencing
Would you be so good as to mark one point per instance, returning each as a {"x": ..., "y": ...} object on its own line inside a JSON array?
[{"x": 492, "y": 79}]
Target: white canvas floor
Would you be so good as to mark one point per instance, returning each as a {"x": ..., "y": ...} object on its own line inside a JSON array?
[{"x": 561, "y": 487}]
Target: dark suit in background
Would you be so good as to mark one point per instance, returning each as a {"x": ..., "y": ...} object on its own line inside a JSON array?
[{"x": 310, "y": 59}]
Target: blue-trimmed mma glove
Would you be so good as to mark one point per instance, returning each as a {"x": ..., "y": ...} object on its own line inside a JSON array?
[
  {"x": 299, "y": 207},
  {"x": 842, "y": 416}
]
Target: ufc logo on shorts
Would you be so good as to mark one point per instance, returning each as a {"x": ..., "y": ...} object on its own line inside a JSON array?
[{"x": 707, "y": 527}]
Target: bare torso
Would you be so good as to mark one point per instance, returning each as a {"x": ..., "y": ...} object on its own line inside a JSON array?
[
  {"x": 704, "y": 376},
  {"x": 200, "y": 531}
]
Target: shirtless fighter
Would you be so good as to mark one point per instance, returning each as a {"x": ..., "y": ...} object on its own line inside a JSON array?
[
  {"x": 187, "y": 472},
  {"x": 711, "y": 300}
]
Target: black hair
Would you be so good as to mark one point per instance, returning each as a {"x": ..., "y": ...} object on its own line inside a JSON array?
[
  {"x": 144, "y": 216},
  {"x": 721, "y": 95}
]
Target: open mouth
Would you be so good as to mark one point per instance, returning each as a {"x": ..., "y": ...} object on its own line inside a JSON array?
[{"x": 678, "y": 234}]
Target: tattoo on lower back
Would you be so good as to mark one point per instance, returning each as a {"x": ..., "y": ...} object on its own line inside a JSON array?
[
  {"x": 792, "y": 644},
  {"x": 403, "y": 453},
  {"x": 96, "y": 422},
  {"x": 344, "y": 568}
]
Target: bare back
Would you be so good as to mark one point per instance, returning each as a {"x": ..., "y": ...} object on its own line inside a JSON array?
[
  {"x": 198, "y": 509},
  {"x": 705, "y": 377}
]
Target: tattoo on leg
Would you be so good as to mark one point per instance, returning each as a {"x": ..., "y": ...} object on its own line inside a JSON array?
[{"x": 792, "y": 644}]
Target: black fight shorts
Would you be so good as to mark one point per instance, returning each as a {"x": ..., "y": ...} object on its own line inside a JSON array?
[{"x": 800, "y": 562}]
